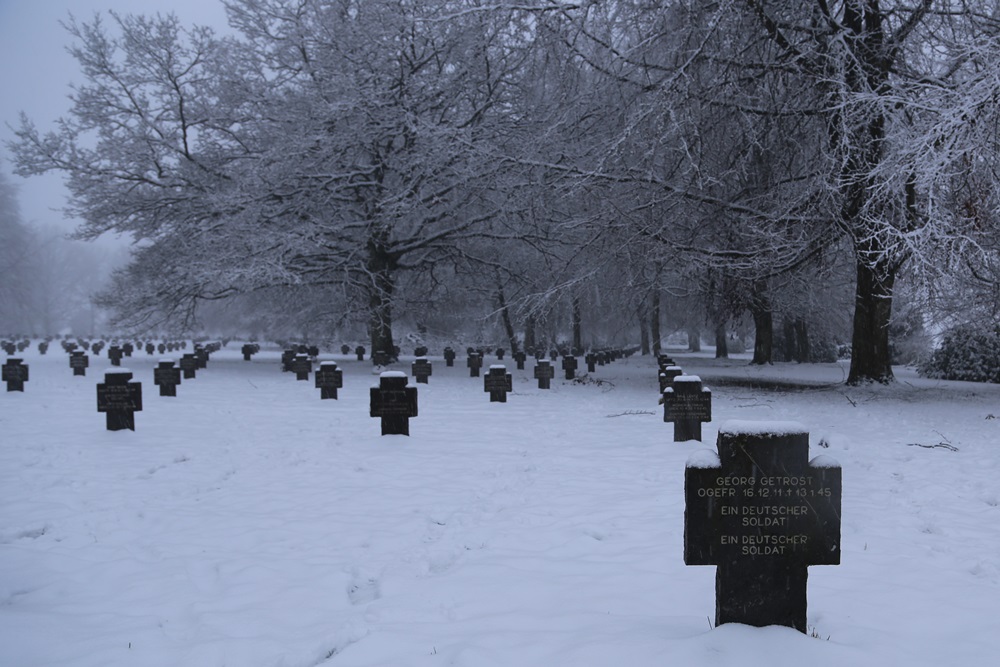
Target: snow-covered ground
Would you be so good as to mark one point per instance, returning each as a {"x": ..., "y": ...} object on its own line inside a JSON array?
[{"x": 248, "y": 523}]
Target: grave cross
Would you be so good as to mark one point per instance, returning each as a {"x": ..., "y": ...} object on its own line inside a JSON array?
[
  {"x": 498, "y": 382},
  {"x": 79, "y": 362},
  {"x": 519, "y": 358},
  {"x": 667, "y": 375},
  {"x": 569, "y": 365},
  {"x": 248, "y": 350},
  {"x": 421, "y": 369},
  {"x": 544, "y": 372},
  {"x": 119, "y": 399},
  {"x": 449, "y": 357},
  {"x": 166, "y": 376},
  {"x": 591, "y": 360},
  {"x": 394, "y": 402},
  {"x": 474, "y": 363},
  {"x": 762, "y": 512},
  {"x": 329, "y": 379},
  {"x": 687, "y": 404},
  {"x": 14, "y": 374},
  {"x": 301, "y": 366},
  {"x": 189, "y": 365},
  {"x": 115, "y": 355},
  {"x": 360, "y": 351},
  {"x": 287, "y": 357}
]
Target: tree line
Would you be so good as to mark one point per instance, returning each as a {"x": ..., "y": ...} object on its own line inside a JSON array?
[{"x": 799, "y": 165}]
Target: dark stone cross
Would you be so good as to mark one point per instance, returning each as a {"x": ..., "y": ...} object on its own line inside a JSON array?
[
  {"x": 544, "y": 372},
  {"x": 360, "y": 351},
  {"x": 519, "y": 358},
  {"x": 248, "y": 350},
  {"x": 201, "y": 356},
  {"x": 474, "y": 363},
  {"x": 687, "y": 404},
  {"x": 667, "y": 375},
  {"x": 553, "y": 355},
  {"x": 119, "y": 399},
  {"x": 500, "y": 353},
  {"x": 189, "y": 365},
  {"x": 329, "y": 379},
  {"x": 761, "y": 512},
  {"x": 167, "y": 376},
  {"x": 345, "y": 349},
  {"x": 394, "y": 402},
  {"x": 498, "y": 383},
  {"x": 115, "y": 355},
  {"x": 421, "y": 369},
  {"x": 79, "y": 362},
  {"x": 161, "y": 348},
  {"x": 591, "y": 360},
  {"x": 302, "y": 366},
  {"x": 128, "y": 349},
  {"x": 43, "y": 347},
  {"x": 287, "y": 357},
  {"x": 15, "y": 374},
  {"x": 569, "y": 366},
  {"x": 449, "y": 357},
  {"x": 150, "y": 349}
]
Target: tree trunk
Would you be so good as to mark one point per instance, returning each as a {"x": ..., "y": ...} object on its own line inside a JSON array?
[
  {"x": 643, "y": 331},
  {"x": 721, "y": 346},
  {"x": 801, "y": 341},
  {"x": 763, "y": 322},
  {"x": 577, "y": 326},
  {"x": 654, "y": 323},
  {"x": 694, "y": 338},
  {"x": 380, "y": 269},
  {"x": 529, "y": 335},
  {"x": 507, "y": 324},
  {"x": 870, "y": 357}
]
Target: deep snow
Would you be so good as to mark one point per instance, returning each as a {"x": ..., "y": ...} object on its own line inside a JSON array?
[{"x": 248, "y": 523}]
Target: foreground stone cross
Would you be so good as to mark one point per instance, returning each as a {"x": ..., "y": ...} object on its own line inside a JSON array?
[
  {"x": 166, "y": 376},
  {"x": 498, "y": 383},
  {"x": 119, "y": 399},
  {"x": 687, "y": 404},
  {"x": 329, "y": 379},
  {"x": 394, "y": 402},
  {"x": 762, "y": 512},
  {"x": 15, "y": 374}
]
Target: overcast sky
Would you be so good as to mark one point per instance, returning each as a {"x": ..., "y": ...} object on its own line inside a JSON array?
[{"x": 35, "y": 73}]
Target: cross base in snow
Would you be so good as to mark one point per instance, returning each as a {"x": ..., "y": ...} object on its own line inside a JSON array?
[{"x": 761, "y": 512}]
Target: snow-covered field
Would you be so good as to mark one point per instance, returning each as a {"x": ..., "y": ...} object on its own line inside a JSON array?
[{"x": 247, "y": 523}]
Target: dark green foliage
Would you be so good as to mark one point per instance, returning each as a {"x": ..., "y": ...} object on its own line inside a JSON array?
[{"x": 966, "y": 353}]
